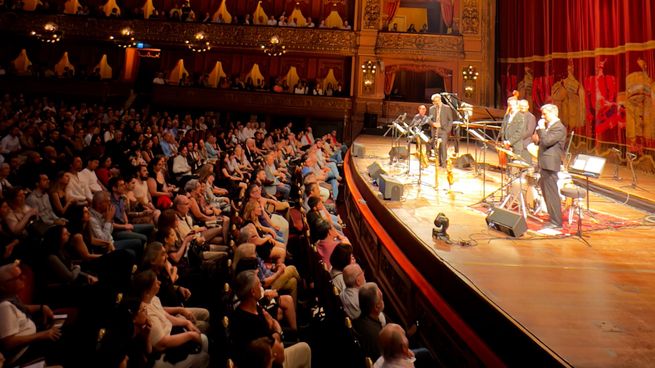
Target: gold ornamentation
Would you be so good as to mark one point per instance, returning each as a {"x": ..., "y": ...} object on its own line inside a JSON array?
[
  {"x": 470, "y": 17},
  {"x": 423, "y": 45},
  {"x": 372, "y": 14},
  {"x": 317, "y": 41}
]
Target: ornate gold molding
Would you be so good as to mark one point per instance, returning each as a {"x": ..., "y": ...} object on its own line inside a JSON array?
[
  {"x": 420, "y": 45},
  {"x": 332, "y": 107},
  {"x": 317, "y": 41},
  {"x": 372, "y": 14},
  {"x": 470, "y": 17}
]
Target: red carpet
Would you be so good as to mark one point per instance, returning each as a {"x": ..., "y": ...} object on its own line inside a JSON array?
[{"x": 593, "y": 222}]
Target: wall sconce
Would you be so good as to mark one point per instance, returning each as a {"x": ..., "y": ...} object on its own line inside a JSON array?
[
  {"x": 369, "y": 68},
  {"x": 470, "y": 75}
]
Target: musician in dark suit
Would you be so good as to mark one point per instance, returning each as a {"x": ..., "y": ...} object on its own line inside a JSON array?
[
  {"x": 551, "y": 136},
  {"x": 513, "y": 128},
  {"x": 530, "y": 126},
  {"x": 441, "y": 124},
  {"x": 421, "y": 118}
]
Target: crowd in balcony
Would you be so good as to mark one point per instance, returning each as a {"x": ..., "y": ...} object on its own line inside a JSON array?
[
  {"x": 180, "y": 11},
  {"x": 119, "y": 228}
]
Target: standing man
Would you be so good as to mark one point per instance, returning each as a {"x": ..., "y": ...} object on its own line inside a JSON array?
[
  {"x": 513, "y": 127},
  {"x": 530, "y": 125},
  {"x": 441, "y": 123},
  {"x": 551, "y": 137}
]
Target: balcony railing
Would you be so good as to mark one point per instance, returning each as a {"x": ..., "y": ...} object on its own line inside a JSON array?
[
  {"x": 163, "y": 32},
  {"x": 420, "y": 44}
]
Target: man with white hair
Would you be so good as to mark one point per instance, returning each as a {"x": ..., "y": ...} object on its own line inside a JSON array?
[
  {"x": 394, "y": 347},
  {"x": 353, "y": 277},
  {"x": 551, "y": 137},
  {"x": 441, "y": 123}
]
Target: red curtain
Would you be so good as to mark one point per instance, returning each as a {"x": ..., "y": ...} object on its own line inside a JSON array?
[
  {"x": 584, "y": 56},
  {"x": 390, "y": 8},
  {"x": 390, "y": 74},
  {"x": 447, "y": 8}
]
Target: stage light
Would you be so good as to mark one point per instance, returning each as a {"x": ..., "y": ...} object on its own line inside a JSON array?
[{"x": 441, "y": 223}]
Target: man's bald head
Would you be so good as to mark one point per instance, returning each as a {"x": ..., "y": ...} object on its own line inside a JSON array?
[{"x": 393, "y": 342}]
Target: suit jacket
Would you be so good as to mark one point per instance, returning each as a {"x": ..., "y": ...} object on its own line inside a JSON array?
[
  {"x": 513, "y": 131},
  {"x": 551, "y": 146},
  {"x": 446, "y": 118},
  {"x": 530, "y": 126}
]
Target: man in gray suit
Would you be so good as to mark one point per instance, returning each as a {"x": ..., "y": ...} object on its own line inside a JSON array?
[
  {"x": 441, "y": 124},
  {"x": 513, "y": 128},
  {"x": 530, "y": 126},
  {"x": 551, "y": 137}
]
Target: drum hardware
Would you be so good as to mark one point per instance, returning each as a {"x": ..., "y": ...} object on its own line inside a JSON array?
[{"x": 618, "y": 163}]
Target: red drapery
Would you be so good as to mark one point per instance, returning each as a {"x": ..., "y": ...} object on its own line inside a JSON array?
[
  {"x": 390, "y": 8},
  {"x": 595, "y": 59},
  {"x": 390, "y": 74},
  {"x": 447, "y": 8}
]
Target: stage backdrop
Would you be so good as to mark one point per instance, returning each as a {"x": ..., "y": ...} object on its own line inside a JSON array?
[{"x": 595, "y": 59}]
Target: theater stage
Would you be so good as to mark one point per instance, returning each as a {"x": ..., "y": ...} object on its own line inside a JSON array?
[{"x": 538, "y": 299}]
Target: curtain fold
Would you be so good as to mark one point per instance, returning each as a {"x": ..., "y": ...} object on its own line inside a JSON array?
[
  {"x": 595, "y": 59},
  {"x": 390, "y": 8}
]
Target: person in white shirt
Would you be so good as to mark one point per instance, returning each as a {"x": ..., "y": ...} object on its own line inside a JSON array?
[
  {"x": 39, "y": 200},
  {"x": 159, "y": 79},
  {"x": 11, "y": 142},
  {"x": 394, "y": 346},
  {"x": 271, "y": 21},
  {"x": 353, "y": 277},
  {"x": 310, "y": 23},
  {"x": 89, "y": 178},
  {"x": 181, "y": 166},
  {"x": 346, "y": 25},
  {"x": 76, "y": 191}
]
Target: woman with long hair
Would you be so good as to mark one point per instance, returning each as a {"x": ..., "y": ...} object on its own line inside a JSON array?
[
  {"x": 184, "y": 349},
  {"x": 160, "y": 191},
  {"x": 60, "y": 204}
]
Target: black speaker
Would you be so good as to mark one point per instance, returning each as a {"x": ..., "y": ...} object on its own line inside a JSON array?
[
  {"x": 374, "y": 170},
  {"x": 464, "y": 161},
  {"x": 508, "y": 222},
  {"x": 399, "y": 153},
  {"x": 370, "y": 120},
  {"x": 358, "y": 150}
]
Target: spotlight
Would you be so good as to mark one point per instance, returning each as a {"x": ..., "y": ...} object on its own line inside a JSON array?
[{"x": 441, "y": 223}]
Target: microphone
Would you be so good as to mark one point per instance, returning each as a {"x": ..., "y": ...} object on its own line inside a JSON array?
[{"x": 449, "y": 93}]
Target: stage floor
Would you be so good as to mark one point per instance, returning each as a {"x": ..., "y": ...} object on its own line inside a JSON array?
[{"x": 589, "y": 302}]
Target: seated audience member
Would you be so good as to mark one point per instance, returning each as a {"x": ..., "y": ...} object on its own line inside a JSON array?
[
  {"x": 318, "y": 211},
  {"x": 276, "y": 221},
  {"x": 178, "y": 340},
  {"x": 181, "y": 168},
  {"x": 160, "y": 191},
  {"x": 276, "y": 176},
  {"x": 264, "y": 352},
  {"x": 215, "y": 196},
  {"x": 40, "y": 201},
  {"x": 88, "y": 177},
  {"x": 252, "y": 213},
  {"x": 326, "y": 239},
  {"x": 353, "y": 277},
  {"x": 58, "y": 199},
  {"x": 394, "y": 346},
  {"x": 9, "y": 243},
  {"x": 284, "y": 278},
  {"x": 171, "y": 295},
  {"x": 186, "y": 225},
  {"x": 123, "y": 229},
  {"x": 20, "y": 342},
  {"x": 76, "y": 190},
  {"x": 140, "y": 208},
  {"x": 341, "y": 256},
  {"x": 101, "y": 227},
  {"x": 20, "y": 215},
  {"x": 267, "y": 246},
  {"x": 250, "y": 322},
  {"x": 201, "y": 211},
  {"x": 371, "y": 320}
]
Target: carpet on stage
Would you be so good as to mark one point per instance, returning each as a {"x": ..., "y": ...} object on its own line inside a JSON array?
[{"x": 596, "y": 221}]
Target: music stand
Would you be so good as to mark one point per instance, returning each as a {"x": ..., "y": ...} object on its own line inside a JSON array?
[{"x": 587, "y": 166}]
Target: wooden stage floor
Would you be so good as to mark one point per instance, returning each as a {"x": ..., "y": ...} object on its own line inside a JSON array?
[{"x": 591, "y": 304}]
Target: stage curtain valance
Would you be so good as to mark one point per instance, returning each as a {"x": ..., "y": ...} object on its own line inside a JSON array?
[{"x": 391, "y": 70}]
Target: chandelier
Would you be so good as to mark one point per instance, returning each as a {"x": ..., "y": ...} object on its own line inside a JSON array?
[
  {"x": 49, "y": 34},
  {"x": 124, "y": 39},
  {"x": 200, "y": 43},
  {"x": 274, "y": 47}
]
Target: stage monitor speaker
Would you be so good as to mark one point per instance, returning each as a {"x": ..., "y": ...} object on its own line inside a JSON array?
[
  {"x": 465, "y": 161},
  {"x": 375, "y": 170},
  {"x": 399, "y": 153},
  {"x": 370, "y": 120},
  {"x": 358, "y": 150},
  {"x": 390, "y": 187},
  {"x": 508, "y": 222}
]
